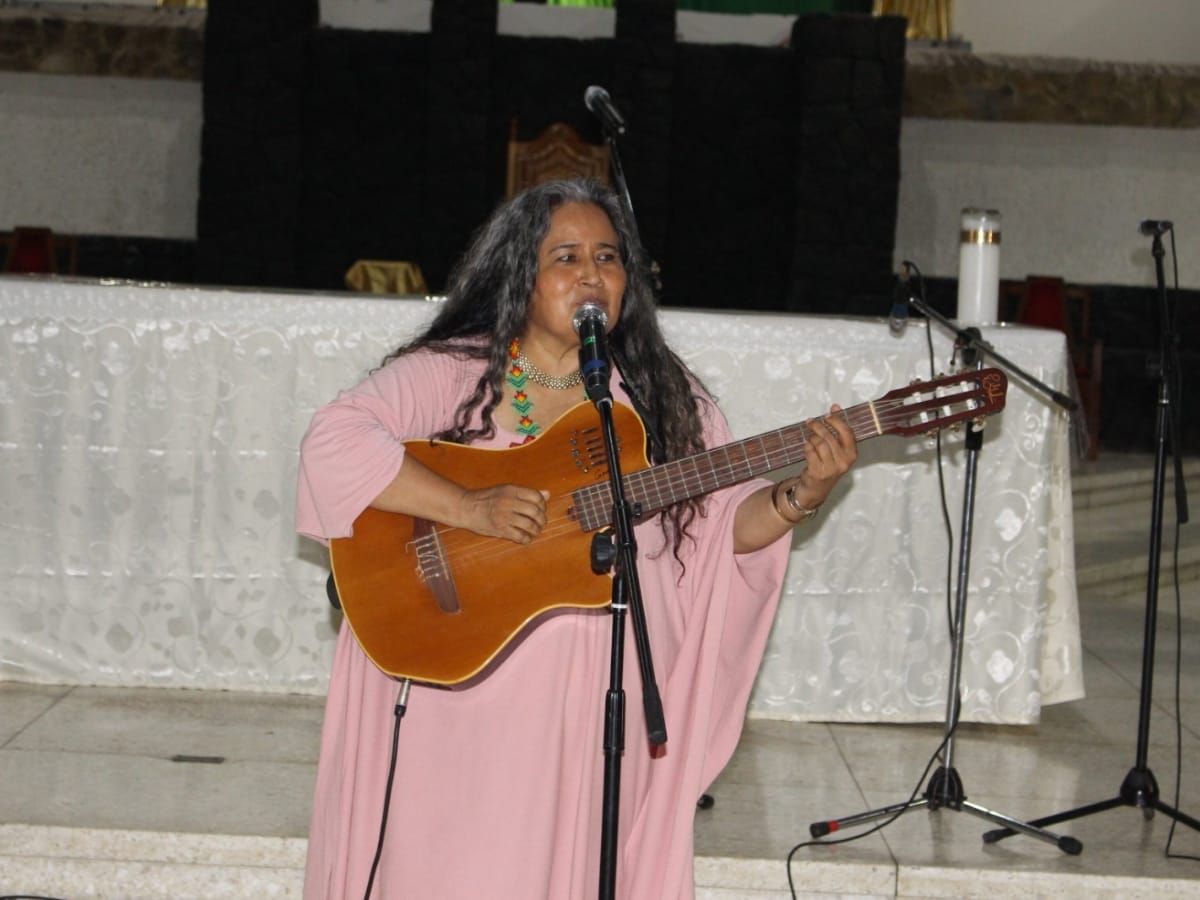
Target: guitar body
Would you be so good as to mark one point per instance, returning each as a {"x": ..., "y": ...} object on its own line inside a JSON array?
[{"x": 437, "y": 604}]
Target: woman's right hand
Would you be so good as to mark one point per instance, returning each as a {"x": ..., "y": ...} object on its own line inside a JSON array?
[{"x": 506, "y": 511}]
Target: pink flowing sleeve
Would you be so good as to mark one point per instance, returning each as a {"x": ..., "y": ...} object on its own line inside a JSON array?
[
  {"x": 709, "y": 627},
  {"x": 744, "y": 591},
  {"x": 354, "y": 445}
]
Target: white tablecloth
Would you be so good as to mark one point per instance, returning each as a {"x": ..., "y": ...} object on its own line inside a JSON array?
[{"x": 148, "y": 447}]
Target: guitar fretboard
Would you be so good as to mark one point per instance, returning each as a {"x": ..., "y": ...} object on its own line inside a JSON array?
[
  {"x": 659, "y": 487},
  {"x": 917, "y": 409}
]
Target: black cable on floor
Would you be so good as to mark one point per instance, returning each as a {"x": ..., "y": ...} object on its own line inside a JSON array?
[
  {"x": 1178, "y": 704},
  {"x": 882, "y": 825}
]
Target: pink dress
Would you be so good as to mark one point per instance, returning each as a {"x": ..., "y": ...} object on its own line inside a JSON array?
[{"x": 498, "y": 786}]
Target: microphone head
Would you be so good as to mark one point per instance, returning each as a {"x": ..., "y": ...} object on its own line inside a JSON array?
[
  {"x": 589, "y": 312},
  {"x": 594, "y": 95},
  {"x": 1154, "y": 226}
]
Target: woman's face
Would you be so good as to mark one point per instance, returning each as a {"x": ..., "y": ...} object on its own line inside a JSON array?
[{"x": 579, "y": 261}]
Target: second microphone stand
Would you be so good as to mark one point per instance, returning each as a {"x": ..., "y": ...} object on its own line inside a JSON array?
[
  {"x": 945, "y": 787},
  {"x": 1140, "y": 788}
]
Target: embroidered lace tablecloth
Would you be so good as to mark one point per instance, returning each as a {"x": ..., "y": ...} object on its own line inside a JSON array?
[{"x": 148, "y": 447}]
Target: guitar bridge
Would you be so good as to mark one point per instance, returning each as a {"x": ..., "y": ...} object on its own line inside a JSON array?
[{"x": 431, "y": 565}]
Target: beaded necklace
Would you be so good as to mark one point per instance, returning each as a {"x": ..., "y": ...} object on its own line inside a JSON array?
[{"x": 522, "y": 371}]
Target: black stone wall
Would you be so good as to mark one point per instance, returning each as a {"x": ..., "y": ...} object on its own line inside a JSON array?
[
  {"x": 847, "y": 162},
  {"x": 257, "y": 73}
]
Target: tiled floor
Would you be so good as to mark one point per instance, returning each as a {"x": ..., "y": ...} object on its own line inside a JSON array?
[{"x": 141, "y": 793}]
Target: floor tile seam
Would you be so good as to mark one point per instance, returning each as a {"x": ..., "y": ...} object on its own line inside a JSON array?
[
  {"x": 913, "y": 797},
  {"x": 1168, "y": 711},
  {"x": 913, "y": 878},
  {"x": 6, "y": 745},
  {"x": 1171, "y": 707},
  {"x": 1167, "y": 708},
  {"x": 193, "y": 760},
  {"x": 33, "y": 841},
  {"x": 217, "y": 866},
  {"x": 1090, "y": 652},
  {"x": 843, "y": 866}
]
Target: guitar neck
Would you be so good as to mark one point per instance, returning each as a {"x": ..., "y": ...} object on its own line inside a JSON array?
[{"x": 659, "y": 487}]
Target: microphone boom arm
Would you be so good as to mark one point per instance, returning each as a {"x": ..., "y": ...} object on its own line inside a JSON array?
[{"x": 966, "y": 338}]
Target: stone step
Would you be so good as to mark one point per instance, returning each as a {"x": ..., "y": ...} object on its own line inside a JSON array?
[
  {"x": 1112, "y": 506},
  {"x": 1124, "y": 478}
]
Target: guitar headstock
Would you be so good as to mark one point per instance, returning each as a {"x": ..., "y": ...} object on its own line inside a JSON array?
[{"x": 931, "y": 405}]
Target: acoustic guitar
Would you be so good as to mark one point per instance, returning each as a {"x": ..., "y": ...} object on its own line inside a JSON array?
[{"x": 437, "y": 604}]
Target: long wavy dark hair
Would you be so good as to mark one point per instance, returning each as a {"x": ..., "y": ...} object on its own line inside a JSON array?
[{"x": 487, "y": 303}]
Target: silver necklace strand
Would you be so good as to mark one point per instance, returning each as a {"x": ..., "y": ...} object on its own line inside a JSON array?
[{"x": 553, "y": 382}]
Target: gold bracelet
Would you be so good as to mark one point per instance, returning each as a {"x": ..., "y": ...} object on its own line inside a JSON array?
[
  {"x": 775, "y": 501},
  {"x": 804, "y": 511},
  {"x": 793, "y": 504}
]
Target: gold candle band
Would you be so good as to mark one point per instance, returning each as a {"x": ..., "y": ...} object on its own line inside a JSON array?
[{"x": 978, "y": 236}]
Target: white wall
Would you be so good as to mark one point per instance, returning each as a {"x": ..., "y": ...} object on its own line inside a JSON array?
[
  {"x": 1070, "y": 197},
  {"x": 118, "y": 156},
  {"x": 1114, "y": 30},
  {"x": 1150, "y": 31}
]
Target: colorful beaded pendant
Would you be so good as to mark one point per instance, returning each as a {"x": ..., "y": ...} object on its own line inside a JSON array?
[{"x": 517, "y": 378}]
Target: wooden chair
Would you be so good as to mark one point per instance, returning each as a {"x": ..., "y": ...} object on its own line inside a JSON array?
[
  {"x": 558, "y": 152},
  {"x": 1049, "y": 302}
]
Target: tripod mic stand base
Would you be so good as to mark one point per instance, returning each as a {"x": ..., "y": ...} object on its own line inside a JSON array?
[
  {"x": 1139, "y": 789},
  {"x": 945, "y": 790}
]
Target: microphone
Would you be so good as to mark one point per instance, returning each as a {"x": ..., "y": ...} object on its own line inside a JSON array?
[
  {"x": 597, "y": 100},
  {"x": 589, "y": 323},
  {"x": 898, "y": 318},
  {"x": 1154, "y": 226}
]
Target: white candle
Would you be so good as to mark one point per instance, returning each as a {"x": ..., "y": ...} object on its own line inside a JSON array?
[{"x": 979, "y": 267}]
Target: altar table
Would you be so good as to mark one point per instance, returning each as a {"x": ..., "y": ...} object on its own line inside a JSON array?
[{"x": 148, "y": 450}]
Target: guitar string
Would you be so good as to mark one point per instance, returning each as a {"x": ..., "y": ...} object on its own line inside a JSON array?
[
  {"x": 690, "y": 478},
  {"x": 592, "y": 501}
]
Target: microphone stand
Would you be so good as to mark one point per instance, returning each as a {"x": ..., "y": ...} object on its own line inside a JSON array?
[
  {"x": 626, "y": 596},
  {"x": 622, "y": 188},
  {"x": 945, "y": 787},
  {"x": 1140, "y": 788}
]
